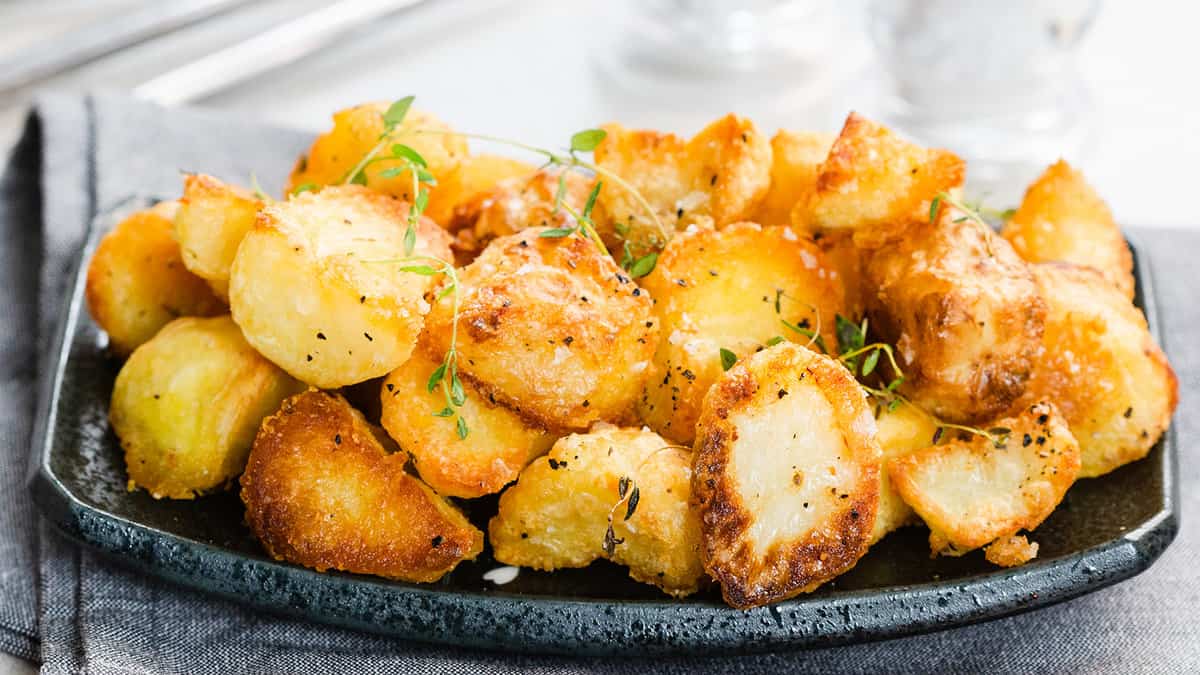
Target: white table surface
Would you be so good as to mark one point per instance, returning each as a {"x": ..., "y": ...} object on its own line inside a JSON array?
[{"x": 526, "y": 70}]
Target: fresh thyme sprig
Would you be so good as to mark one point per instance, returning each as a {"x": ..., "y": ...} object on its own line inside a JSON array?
[{"x": 630, "y": 495}]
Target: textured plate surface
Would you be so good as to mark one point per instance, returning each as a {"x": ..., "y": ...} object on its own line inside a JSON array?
[{"x": 1106, "y": 530}]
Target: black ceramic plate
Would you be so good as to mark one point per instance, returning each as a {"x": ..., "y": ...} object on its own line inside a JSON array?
[{"x": 1106, "y": 530}]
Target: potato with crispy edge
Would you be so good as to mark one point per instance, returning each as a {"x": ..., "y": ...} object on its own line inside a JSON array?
[
  {"x": 317, "y": 287},
  {"x": 321, "y": 491},
  {"x": 558, "y": 512},
  {"x": 213, "y": 218},
  {"x": 796, "y": 158},
  {"x": 717, "y": 289},
  {"x": 876, "y": 183},
  {"x": 718, "y": 177},
  {"x": 786, "y": 475},
  {"x": 971, "y": 493},
  {"x": 1101, "y": 367},
  {"x": 902, "y": 430},
  {"x": 550, "y": 327},
  {"x": 459, "y": 190},
  {"x": 186, "y": 406},
  {"x": 356, "y": 130},
  {"x": 500, "y": 443},
  {"x": 963, "y": 312},
  {"x": 1062, "y": 219},
  {"x": 1011, "y": 551}
]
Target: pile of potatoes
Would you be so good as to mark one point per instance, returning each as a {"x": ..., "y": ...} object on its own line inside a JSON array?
[{"x": 698, "y": 423}]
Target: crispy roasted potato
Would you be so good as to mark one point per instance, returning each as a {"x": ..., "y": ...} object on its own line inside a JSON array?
[
  {"x": 718, "y": 177},
  {"x": 964, "y": 313},
  {"x": 212, "y": 220},
  {"x": 187, "y": 403},
  {"x": 321, "y": 491},
  {"x": 786, "y": 475},
  {"x": 137, "y": 282},
  {"x": 876, "y": 183},
  {"x": 717, "y": 289},
  {"x": 847, "y": 259},
  {"x": 901, "y": 431},
  {"x": 1010, "y": 551},
  {"x": 796, "y": 159},
  {"x": 558, "y": 512},
  {"x": 1062, "y": 219},
  {"x": 971, "y": 492},
  {"x": 356, "y": 130},
  {"x": 550, "y": 327},
  {"x": 499, "y": 445},
  {"x": 1102, "y": 368},
  {"x": 454, "y": 201},
  {"x": 317, "y": 288}
]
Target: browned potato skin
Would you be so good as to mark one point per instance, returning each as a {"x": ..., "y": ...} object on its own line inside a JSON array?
[
  {"x": 959, "y": 522},
  {"x": 321, "y": 491},
  {"x": 187, "y": 403},
  {"x": 500, "y": 443},
  {"x": 836, "y": 541},
  {"x": 1062, "y": 219},
  {"x": 796, "y": 159},
  {"x": 550, "y": 327},
  {"x": 356, "y": 130},
  {"x": 875, "y": 183},
  {"x": 213, "y": 219},
  {"x": 718, "y": 177},
  {"x": 557, "y": 513},
  {"x": 716, "y": 289},
  {"x": 1100, "y": 365},
  {"x": 137, "y": 281},
  {"x": 964, "y": 313},
  {"x": 459, "y": 190}
]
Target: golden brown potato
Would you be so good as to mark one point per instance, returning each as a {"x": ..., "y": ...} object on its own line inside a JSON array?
[
  {"x": 717, "y": 289},
  {"x": 1011, "y": 551},
  {"x": 137, "y": 282},
  {"x": 964, "y": 313},
  {"x": 212, "y": 220},
  {"x": 550, "y": 327},
  {"x": 796, "y": 159},
  {"x": 499, "y": 445},
  {"x": 321, "y": 491},
  {"x": 876, "y": 183},
  {"x": 187, "y": 403},
  {"x": 847, "y": 259},
  {"x": 786, "y": 475},
  {"x": 317, "y": 288},
  {"x": 971, "y": 493},
  {"x": 1102, "y": 368},
  {"x": 901, "y": 431},
  {"x": 459, "y": 190},
  {"x": 1062, "y": 219},
  {"x": 356, "y": 130},
  {"x": 718, "y": 177},
  {"x": 558, "y": 512}
]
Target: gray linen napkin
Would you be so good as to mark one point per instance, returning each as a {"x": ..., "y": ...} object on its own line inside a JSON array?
[{"x": 80, "y": 155}]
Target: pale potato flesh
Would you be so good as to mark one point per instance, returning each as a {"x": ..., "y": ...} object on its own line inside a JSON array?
[
  {"x": 213, "y": 219},
  {"x": 901, "y": 431}
]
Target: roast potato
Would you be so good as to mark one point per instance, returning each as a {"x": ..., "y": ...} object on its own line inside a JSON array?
[
  {"x": 971, "y": 492},
  {"x": 321, "y": 491},
  {"x": 137, "y": 281},
  {"x": 876, "y": 183},
  {"x": 458, "y": 191},
  {"x": 902, "y": 430},
  {"x": 317, "y": 287},
  {"x": 558, "y": 512},
  {"x": 964, "y": 313},
  {"x": 796, "y": 159},
  {"x": 1101, "y": 367},
  {"x": 356, "y": 130},
  {"x": 718, "y": 177},
  {"x": 187, "y": 403},
  {"x": 1011, "y": 551},
  {"x": 212, "y": 220},
  {"x": 717, "y": 289},
  {"x": 786, "y": 475},
  {"x": 1062, "y": 219},
  {"x": 499, "y": 445},
  {"x": 550, "y": 327}
]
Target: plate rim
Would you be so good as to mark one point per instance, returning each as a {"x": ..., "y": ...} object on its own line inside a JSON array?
[{"x": 619, "y": 626}]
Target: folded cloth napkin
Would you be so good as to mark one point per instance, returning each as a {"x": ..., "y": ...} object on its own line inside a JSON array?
[{"x": 75, "y": 612}]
